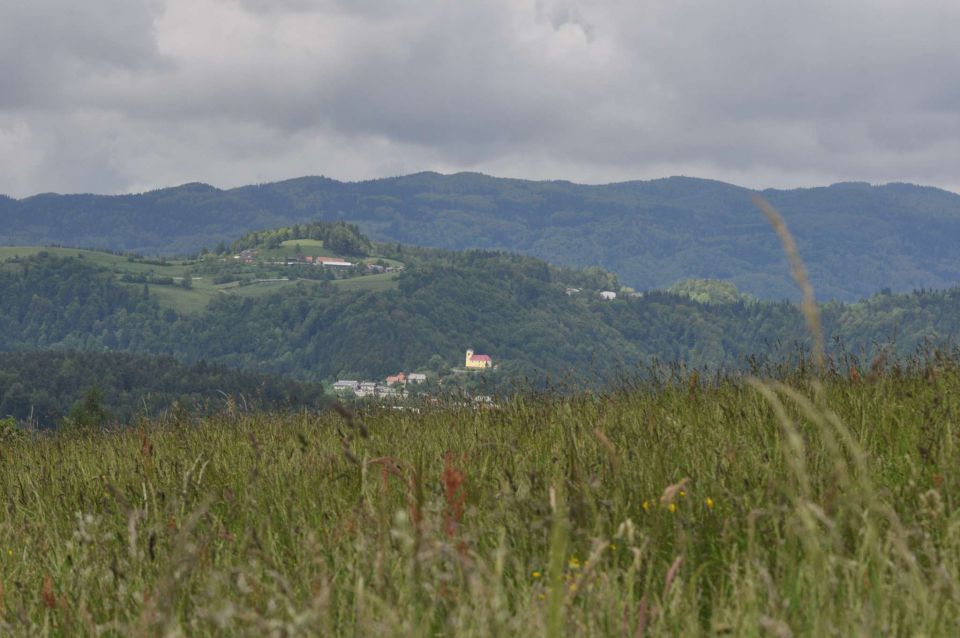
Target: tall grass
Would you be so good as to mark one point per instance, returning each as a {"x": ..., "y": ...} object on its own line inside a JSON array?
[{"x": 733, "y": 508}]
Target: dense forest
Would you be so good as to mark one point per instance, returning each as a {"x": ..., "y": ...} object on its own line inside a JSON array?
[
  {"x": 338, "y": 237},
  {"x": 536, "y": 320},
  {"x": 98, "y": 388},
  {"x": 856, "y": 238}
]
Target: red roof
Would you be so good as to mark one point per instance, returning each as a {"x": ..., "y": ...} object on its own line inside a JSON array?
[{"x": 480, "y": 357}]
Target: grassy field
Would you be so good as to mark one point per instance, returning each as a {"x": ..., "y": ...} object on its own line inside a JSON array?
[
  {"x": 745, "y": 508},
  {"x": 303, "y": 243},
  {"x": 288, "y": 248},
  {"x": 103, "y": 259},
  {"x": 184, "y": 301}
]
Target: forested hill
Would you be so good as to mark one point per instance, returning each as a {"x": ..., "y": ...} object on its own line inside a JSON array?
[
  {"x": 856, "y": 238},
  {"x": 98, "y": 388},
  {"x": 533, "y": 319}
]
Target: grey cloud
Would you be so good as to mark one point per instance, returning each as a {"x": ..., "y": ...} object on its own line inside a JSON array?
[
  {"x": 47, "y": 45},
  {"x": 128, "y": 94}
]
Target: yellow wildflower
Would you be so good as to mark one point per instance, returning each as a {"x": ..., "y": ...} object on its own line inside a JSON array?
[
  {"x": 574, "y": 562},
  {"x": 646, "y": 505},
  {"x": 683, "y": 494},
  {"x": 672, "y": 507},
  {"x": 536, "y": 574},
  {"x": 709, "y": 502}
]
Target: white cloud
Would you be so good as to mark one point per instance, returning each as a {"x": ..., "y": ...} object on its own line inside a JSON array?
[{"x": 131, "y": 94}]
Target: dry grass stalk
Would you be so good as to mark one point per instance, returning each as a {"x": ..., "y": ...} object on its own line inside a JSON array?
[
  {"x": 670, "y": 493},
  {"x": 809, "y": 307}
]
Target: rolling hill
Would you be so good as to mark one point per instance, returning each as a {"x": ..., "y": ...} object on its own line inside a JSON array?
[
  {"x": 538, "y": 321},
  {"x": 856, "y": 238}
]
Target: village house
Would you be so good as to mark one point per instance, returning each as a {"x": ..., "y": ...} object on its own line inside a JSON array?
[
  {"x": 246, "y": 256},
  {"x": 416, "y": 377},
  {"x": 388, "y": 392},
  {"x": 608, "y": 295},
  {"x": 346, "y": 385},
  {"x": 478, "y": 360},
  {"x": 371, "y": 389},
  {"x": 331, "y": 262},
  {"x": 367, "y": 389},
  {"x": 397, "y": 379}
]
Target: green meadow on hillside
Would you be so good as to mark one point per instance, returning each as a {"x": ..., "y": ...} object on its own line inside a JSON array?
[
  {"x": 666, "y": 508},
  {"x": 292, "y": 247}
]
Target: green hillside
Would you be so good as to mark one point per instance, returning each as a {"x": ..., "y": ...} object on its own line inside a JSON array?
[
  {"x": 856, "y": 238},
  {"x": 537, "y": 321},
  {"x": 187, "y": 286}
]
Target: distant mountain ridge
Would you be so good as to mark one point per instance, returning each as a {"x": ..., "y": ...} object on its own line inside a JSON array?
[{"x": 856, "y": 238}]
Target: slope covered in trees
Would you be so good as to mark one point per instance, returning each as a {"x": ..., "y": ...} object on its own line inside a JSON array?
[
  {"x": 98, "y": 388},
  {"x": 856, "y": 238},
  {"x": 534, "y": 319}
]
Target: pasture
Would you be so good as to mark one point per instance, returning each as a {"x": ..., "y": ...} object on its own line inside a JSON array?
[{"x": 739, "y": 507}]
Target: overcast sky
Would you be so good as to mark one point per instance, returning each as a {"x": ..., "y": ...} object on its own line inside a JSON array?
[{"x": 125, "y": 95}]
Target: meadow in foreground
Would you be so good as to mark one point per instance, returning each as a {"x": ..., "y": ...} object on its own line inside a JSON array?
[{"x": 748, "y": 508}]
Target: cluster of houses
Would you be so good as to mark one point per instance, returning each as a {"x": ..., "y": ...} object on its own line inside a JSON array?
[
  {"x": 391, "y": 388},
  {"x": 249, "y": 256},
  {"x": 326, "y": 262}
]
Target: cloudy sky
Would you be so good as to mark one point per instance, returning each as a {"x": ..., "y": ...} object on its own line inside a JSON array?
[{"x": 125, "y": 95}]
